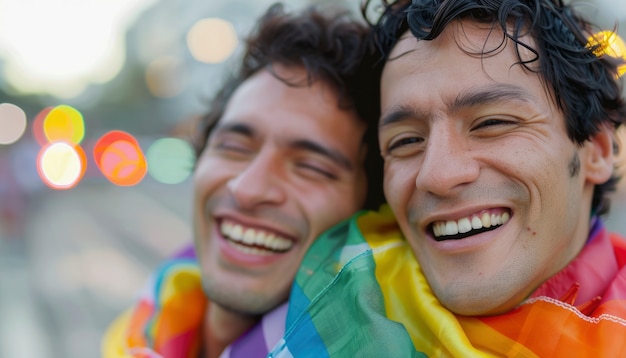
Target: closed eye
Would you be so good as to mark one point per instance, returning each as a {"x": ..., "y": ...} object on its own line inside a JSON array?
[
  {"x": 316, "y": 170},
  {"x": 232, "y": 147}
]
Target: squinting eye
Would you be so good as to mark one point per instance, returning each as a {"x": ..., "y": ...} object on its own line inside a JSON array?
[
  {"x": 233, "y": 147},
  {"x": 404, "y": 142},
  {"x": 491, "y": 122},
  {"x": 314, "y": 170}
]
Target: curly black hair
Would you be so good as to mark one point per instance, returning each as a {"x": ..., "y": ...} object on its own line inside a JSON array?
[
  {"x": 584, "y": 86},
  {"x": 332, "y": 46}
]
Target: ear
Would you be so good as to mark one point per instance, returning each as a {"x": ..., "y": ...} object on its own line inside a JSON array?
[{"x": 599, "y": 163}]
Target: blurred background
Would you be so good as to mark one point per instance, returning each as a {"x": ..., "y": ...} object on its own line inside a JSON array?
[{"x": 83, "y": 224}]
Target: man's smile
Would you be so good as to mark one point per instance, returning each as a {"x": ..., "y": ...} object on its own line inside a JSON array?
[
  {"x": 253, "y": 241},
  {"x": 477, "y": 223}
]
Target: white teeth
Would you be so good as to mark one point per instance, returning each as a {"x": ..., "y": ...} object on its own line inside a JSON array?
[
  {"x": 267, "y": 242},
  {"x": 248, "y": 237},
  {"x": 237, "y": 232},
  {"x": 451, "y": 228},
  {"x": 467, "y": 224},
  {"x": 476, "y": 223},
  {"x": 249, "y": 250},
  {"x": 464, "y": 225},
  {"x": 259, "y": 238}
]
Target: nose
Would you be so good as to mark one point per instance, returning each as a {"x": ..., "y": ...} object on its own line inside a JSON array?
[
  {"x": 259, "y": 183},
  {"x": 448, "y": 163}
]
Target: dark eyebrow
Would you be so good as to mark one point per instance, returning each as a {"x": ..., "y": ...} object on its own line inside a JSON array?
[
  {"x": 491, "y": 94},
  {"x": 302, "y": 144},
  {"x": 239, "y": 128},
  {"x": 335, "y": 156},
  {"x": 399, "y": 114},
  {"x": 475, "y": 97}
]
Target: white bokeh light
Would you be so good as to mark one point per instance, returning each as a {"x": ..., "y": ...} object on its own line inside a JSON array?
[
  {"x": 212, "y": 40},
  {"x": 60, "y": 46}
]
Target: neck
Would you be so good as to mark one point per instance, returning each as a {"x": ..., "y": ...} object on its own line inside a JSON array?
[{"x": 222, "y": 327}]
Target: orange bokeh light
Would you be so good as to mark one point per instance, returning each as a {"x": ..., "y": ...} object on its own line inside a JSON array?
[{"x": 120, "y": 158}]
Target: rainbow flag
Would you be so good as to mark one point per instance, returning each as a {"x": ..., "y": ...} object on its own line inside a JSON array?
[
  {"x": 167, "y": 320},
  {"x": 360, "y": 293}
]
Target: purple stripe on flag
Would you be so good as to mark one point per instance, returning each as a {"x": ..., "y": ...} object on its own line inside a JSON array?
[
  {"x": 274, "y": 325},
  {"x": 187, "y": 252},
  {"x": 250, "y": 345}
]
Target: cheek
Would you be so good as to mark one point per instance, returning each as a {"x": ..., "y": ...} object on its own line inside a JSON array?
[
  {"x": 399, "y": 184},
  {"x": 325, "y": 209},
  {"x": 210, "y": 174}
]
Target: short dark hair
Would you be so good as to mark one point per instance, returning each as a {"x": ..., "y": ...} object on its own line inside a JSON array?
[
  {"x": 584, "y": 86},
  {"x": 331, "y": 46}
]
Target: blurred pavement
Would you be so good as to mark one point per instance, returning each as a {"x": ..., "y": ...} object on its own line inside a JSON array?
[{"x": 86, "y": 253}]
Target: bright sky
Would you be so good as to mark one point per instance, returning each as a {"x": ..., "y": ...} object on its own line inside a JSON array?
[{"x": 59, "y": 46}]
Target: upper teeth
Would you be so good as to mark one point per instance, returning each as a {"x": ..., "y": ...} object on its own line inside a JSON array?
[
  {"x": 466, "y": 224},
  {"x": 257, "y": 237}
]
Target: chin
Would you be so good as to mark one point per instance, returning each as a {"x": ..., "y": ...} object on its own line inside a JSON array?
[
  {"x": 477, "y": 308},
  {"x": 474, "y": 301}
]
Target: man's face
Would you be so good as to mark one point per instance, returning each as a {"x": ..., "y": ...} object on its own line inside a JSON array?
[
  {"x": 489, "y": 191},
  {"x": 282, "y": 165}
]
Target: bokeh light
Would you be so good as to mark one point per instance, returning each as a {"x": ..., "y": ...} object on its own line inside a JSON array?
[
  {"x": 64, "y": 45},
  {"x": 61, "y": 162},
  {"x": 61, "y": 165},
  {"x": 12, "y": 123},
  {"x": 37, "y": 126},
  {"x": 170, "y": 160},
  {"x": 212, "y": 40},
  {"x": 611, "y": 45},
  {"x": 120, "y": 158},
  {"x": 165, "y": 77},
  {"x": 64, "y": 123}
]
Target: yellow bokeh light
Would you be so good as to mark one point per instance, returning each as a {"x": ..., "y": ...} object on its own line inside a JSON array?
[
  {"x": 212, "y": 40},
  {"x": 12, "y": 123},
  {"x": 610, "y": 44},
  {"x": 64, "y": 123},
  {"x": 61, "y": 165}
]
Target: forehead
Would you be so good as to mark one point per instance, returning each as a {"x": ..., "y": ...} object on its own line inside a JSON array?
[
  {"x": 465, "y": 55},
  {"x": 270, "y": 106}
]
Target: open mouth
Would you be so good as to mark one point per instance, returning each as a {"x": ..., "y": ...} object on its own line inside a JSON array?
[
  {"x": 254, "y": 241},
  {"x": 470, "y": 225}
]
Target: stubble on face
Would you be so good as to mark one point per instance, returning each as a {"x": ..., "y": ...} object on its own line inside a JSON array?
[
  {"x": 574, "y": 166},
  {"x": 238, "y": 301},
  {"x": 540, "y": 180},
  {"x": 297, "y": 133},
  {"x": 247, "y": 290}
]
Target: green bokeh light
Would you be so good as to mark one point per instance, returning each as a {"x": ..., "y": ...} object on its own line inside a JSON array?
[{"x": 170, "y": 160}]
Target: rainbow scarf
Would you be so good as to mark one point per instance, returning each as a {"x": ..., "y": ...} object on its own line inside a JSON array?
[
  {"x": 167, "y": 320},
  {"x": 360, "y": 279}
]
